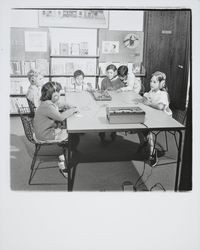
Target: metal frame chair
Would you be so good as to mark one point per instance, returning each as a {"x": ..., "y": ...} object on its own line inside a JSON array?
[
  {"x": 179, "y": 116},
  {"x": 26, "y": 119},
  {"x": 31, "y": 107}
]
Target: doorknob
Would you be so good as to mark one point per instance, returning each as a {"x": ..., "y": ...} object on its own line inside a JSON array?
[{"x": 180, "y": 66}]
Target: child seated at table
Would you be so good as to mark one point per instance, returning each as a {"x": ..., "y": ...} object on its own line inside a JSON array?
[
  {"x": 156, "y": 98},
  {"x": 79, "y": 83},
  {"x": 34, "y": 90},
  {"x": 110, "y": 82},
  {"x": 128, "y": 79},
  {"x": 47, "y": 115}
]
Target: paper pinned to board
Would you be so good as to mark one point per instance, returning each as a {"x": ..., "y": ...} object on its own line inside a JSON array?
[{"x": 35, "y": 41}]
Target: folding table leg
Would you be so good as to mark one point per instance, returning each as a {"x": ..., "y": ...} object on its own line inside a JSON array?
[
  {"x": 178, "y": 161},
  {"x": 69, "y": 165}
]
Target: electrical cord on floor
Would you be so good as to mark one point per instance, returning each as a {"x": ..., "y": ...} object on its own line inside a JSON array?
[
  {"x": 158, "y": 184},
  {"x": 144, "y": 182}
]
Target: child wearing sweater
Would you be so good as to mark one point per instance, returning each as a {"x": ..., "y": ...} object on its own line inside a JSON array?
[
  {"x": 47, "y": 115},
  {"x": 34, "y": 90}
]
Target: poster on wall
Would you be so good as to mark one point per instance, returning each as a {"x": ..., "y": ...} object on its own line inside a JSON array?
[
  {"x": 110, "y": 47},
  {"x": 73, "y": 18},
  {"x": 121, "y": 46},
  {"x": 35, "y": 41}
]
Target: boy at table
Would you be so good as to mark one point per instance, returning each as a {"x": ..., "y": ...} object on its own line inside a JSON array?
[
  {"x": 128, "y": 79},
  {"x": 111, "y": 81}
]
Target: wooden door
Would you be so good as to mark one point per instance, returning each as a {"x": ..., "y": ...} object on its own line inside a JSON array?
[{"x": 167, "y": 49}]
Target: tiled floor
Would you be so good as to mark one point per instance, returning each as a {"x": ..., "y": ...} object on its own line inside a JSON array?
[{"x": 101, "y": 168}]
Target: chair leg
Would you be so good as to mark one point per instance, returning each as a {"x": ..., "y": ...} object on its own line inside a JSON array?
[
  {"x": 166, "y": 141},
  {"x": 66, "y": 160},
  {"x": 175, "y": 140},
  {"x": 37, "y": 148}
]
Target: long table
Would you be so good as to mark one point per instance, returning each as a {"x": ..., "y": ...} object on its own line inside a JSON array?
[{"x": 92, "y": 118}]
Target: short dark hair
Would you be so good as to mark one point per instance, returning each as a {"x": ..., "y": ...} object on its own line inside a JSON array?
[
  {"x": 78, "y": 73},
  {"x": 111, "y": 66},
  {"x": 48, "y": 89},
  {"x": 122, "y": 71}
]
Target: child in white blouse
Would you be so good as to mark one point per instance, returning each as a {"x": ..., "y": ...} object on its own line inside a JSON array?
[
  {"x": 79, "y": 83},
  {"x": 34, "y": 91},
  {"x": 156, "y": 98}
]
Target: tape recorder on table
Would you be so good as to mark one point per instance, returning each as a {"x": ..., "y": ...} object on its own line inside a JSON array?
[
  {"x": 125, "y": 115},
  {"x": 101, "y": 95}
]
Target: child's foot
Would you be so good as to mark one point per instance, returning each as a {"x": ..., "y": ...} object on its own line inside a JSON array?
[
  {"x": 64, "y": 172},
  {"x": 153, "y": 160},
  {"x": 113, "y": 136}
]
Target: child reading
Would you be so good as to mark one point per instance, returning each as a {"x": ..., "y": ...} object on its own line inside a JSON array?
[
  {"x": 79, "y": 83},
  {"x": 47, "y": 115},
  {"x": 128, "y": 79},
  {"x": 110, "y": 82},
  {"x": 34, "y": 90},
  {"x": 156, "y": 98}
]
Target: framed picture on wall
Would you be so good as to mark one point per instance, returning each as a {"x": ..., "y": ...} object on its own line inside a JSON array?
[{"x": 73, "y": 18}]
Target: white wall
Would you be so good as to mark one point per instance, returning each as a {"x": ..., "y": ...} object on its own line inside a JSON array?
[
  {"x": 118, "y": 20},
  {"x": 126, "y": 20}
]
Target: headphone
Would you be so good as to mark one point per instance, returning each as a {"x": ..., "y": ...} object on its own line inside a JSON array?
[
  {"x": 55, "y": 95},
  {"x": 162, "y": 83}
]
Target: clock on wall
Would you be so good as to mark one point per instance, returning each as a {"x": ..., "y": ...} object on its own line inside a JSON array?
[{"x": 131, "y": 41}]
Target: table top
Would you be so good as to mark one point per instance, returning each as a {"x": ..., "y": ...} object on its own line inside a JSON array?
[{"x": 92, "y": 114}]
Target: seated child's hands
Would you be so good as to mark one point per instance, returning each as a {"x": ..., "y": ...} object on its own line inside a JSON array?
[
  {"x": 146, "y": 101},
  {"x": 138, "y": 100},
  {"x": 74, "y": 110}
]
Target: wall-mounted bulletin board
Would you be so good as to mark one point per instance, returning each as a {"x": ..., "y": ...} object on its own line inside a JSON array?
[
  {"x": 29, "y": 49},
  {"x": 121, "y": 46}
]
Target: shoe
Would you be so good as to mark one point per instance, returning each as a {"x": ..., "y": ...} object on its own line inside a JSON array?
[
  {"x": 61, "y": 165},
  {"x": 61, "y": 158},
  {"x": 113, "y": 136},
  {"x": 153, "y": 159},
  {"x": 64, "y": 172}
]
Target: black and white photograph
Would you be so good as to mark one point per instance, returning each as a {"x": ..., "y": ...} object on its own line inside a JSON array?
[
  {"x": 76, "y": 127},
  {"x": 100, "y": 125}
]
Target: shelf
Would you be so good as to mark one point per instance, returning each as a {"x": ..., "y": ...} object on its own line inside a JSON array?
[
  {"x": 23, "y": 76},
  {"x": 92, "y": 56},
  {"x": 73, "y": 75},
  {"x": 17, "y": 95}
]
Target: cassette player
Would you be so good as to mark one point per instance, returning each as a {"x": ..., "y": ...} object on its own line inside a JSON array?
[
  {"x": 101, "y": 95},
  {"x": 125, "y": 114}
]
